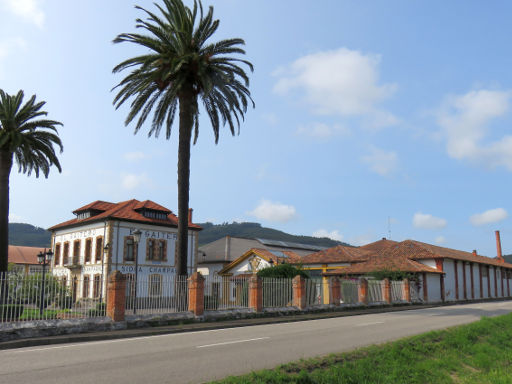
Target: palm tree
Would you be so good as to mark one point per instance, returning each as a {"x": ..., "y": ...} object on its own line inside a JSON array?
[
  {"x": 179, "y": 68},
  {"x": 27, "y": 141}
]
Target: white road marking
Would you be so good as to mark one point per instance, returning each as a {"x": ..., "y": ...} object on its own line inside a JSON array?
[
  {"x": 366, "y": 324},
  {"x": 232, "y": 342}
]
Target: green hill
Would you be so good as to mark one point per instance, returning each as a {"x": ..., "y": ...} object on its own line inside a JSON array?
[
  {"x": 28, "y": 235},
  {"x": 212, "y": 232}
]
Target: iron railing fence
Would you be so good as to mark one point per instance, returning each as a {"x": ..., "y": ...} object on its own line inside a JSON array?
[
  {"x": 397, "y": 291},
  {"x": 277, "y": 292},
  {"x": 318, "y": 291},
  {"x": 30, "y": 297},
  {"x": 156, "y": 294},
  {"x": 375, "y": 288},
  {"x": 221, "y": 292},
  {"x": 349, "y": 291},
  {"x": 415, "y": 293}
]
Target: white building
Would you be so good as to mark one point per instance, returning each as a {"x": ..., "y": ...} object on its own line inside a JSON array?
[{"x": 100, "y": 239}]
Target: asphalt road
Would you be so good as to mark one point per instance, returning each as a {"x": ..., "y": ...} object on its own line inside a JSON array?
[{"x": 207, "y": 355}]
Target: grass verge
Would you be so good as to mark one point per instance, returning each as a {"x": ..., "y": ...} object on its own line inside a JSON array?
[{"x": 479, "y": 352}]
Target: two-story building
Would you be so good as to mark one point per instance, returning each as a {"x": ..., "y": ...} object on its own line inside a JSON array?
[{"x": 100, "y": 240}]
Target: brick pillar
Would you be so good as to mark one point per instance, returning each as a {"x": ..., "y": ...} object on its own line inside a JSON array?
[
  {"x": 116, "y": 296},
  {"x": 335, "y": 291},
  {"x": 196, "y": 294},
  {"x": 299, "y": 292},
  {"x": 256, "y": 293},
  {"x": 425, "y": 287},
  {"x": 407, "y": 290},
  {"x": 386, "y": 291},
  {"x": 363, "y": 291}
]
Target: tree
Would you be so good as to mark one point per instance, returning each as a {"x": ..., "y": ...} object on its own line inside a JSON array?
[
  {"x": 28, "y": 141},
  {"x": 180, "y": 68},
  {"x": 287, "y": 271}
]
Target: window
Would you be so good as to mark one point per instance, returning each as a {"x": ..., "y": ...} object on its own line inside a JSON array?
[
  {"x": 150, "y": 249},
  {"x": 129, "y": 249},
  {"x": 99, "y": 249},
  {"x": 88, "y": 250},
  {"x": 76, "y": 252},
  {"x": 96, "y": 287},
  {"x": 56, "y": 258},
  {"x": 85, "y": 290},
  {"x": 485, "y": 271},
  {"x": 65, "y": 255},
  {"x": 162, "y": 250},
  {"x": 155, "y": 285}
]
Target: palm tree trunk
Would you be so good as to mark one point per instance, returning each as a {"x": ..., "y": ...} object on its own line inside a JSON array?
[
  {"x": 186, "y": 100},
  {"x": 5, "y": 170}
]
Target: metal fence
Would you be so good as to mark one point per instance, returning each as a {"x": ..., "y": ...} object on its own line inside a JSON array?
[
  {"x": 27, "y": 298},
  {"x": 156, "y": 294},
  {"x": 277, "y": 292},
  {"x": 222, "y": 292},
  {"x": 375, "y": 288},
  {"x": 415, "y": 293},
  {"x": 317, "y": 291},
  {"x": 349, "y": 291},
  {"x": 397, "y": 291}
]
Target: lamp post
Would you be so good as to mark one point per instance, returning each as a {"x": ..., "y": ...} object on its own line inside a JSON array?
[
  {"x": 136, "y": 239},
  {"x": 44, "y": 258},
  {"x": 106, "y": 248}
]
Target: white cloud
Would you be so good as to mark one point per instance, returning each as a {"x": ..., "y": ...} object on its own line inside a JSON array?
[
  {"x": 464, "y": 120},
  {"x": 270, "y": 118},
  {"x": 334, "y": 234},
  {"x": 134, "y": 156},
  {"x": 380, "y": 161},
  {"x": 27, "y": 9},
  {"x": 132, "y": 181},
  {"x": 14, "y": 218},
  {"x": 273, "y": 211},
  {"x": 364, "y": 239},
  {"x": 489, "y": 216},
  {"x": 11, "y": 44},
  {"x": 339, "y": 82},
  {"x": 323, "y": 131},
  {"x": 426, "y": 221},
  {"x": 440, "y": 240}
]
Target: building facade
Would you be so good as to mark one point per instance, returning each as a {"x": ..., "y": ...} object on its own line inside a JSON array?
[{"x": 101, "y": 240}]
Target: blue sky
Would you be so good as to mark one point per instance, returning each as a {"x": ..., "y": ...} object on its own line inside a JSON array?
[{"x": 366, "y": 113}]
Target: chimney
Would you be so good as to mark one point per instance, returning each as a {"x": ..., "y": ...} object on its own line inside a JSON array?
[
  {"x": 190, "y": 211},
  {"x": 474, "y": 252},
  {"x": 227, "y": 251},
  {"x": 498, "y": 246}
]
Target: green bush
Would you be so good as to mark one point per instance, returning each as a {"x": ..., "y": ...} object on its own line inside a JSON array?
[
  {"x": 99, "y": 310},
  {"x": 283, "y": 271},
  {"x": 11, "y": 312}
]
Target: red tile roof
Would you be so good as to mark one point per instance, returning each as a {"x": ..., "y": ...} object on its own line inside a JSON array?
[
  {"x": 338, "y": 254},
  {"x": 23, "y": 255},
  {"x": 126, "y": 210},
  {"x": 419, "y": 251},
  {"x": 384, "y": 263},
  {"x": 379, "y": 245}
]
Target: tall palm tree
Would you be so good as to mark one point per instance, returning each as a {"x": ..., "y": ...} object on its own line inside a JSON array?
[
  {"x": 27, "y": 141},
  {"x": 179, "y": 68}
]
